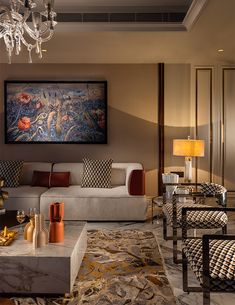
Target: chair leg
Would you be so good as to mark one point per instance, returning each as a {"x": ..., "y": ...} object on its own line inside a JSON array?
[
  {"x": 175, "y": 247},
  {"x": 206, "y": 297},
  {"x": 185, "y": 272},
  {"x": 224, "y": 229},
  {"x": 164, "y": 227}
]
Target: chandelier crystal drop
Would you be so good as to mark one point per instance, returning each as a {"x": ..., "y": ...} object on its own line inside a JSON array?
[{"x": 27, "y": 22}]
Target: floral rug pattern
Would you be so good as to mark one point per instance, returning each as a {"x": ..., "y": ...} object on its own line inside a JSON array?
[{"x": 119, "y": 268}]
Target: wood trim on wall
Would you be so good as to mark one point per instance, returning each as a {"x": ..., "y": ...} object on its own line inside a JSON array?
[
  {"x": 223, "y": 118},
  {"x": 222, "y": 127},
  {"x": 160, "y": 126},
  {"x": 210, "y": 123}
]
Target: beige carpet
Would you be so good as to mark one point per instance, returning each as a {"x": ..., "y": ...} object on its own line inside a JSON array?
[{"x": 119, "y": 268}]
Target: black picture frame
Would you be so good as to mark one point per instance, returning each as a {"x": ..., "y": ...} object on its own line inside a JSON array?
[{"x": 55, "y": 112}]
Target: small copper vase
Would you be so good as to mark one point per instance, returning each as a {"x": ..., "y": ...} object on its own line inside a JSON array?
[
  {"x": 30, "y": 229},
  {"x": 26, "y": 230},
  {"x": 56, "y": 222}
]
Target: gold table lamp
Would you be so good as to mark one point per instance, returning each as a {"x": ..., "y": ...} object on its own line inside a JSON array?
[{"x": 188, "y": 148}]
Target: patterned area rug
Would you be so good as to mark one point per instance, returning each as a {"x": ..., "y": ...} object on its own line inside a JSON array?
[{"x": 119, "y": 268}]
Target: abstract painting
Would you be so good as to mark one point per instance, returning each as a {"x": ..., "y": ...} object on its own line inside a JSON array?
[{"x": 56, "y": 112}]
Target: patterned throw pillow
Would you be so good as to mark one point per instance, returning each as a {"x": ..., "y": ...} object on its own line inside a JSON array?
[
  {"x": 97, "y": 173},
  {"x": 10, "y": 171}
]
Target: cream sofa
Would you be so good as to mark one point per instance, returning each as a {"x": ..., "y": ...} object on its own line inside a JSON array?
[{"x": 94, "y": 204}]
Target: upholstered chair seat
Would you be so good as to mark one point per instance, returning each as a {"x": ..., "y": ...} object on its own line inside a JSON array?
[
  {"x": 196, "y": 219},
  {"x": 222, "y": 262}
]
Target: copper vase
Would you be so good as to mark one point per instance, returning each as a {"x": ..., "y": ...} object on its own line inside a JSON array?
[
  {"x": 56, "y": 222},
  {"x": 30, "y": 229},
  {"x": 26, "y": 229}
]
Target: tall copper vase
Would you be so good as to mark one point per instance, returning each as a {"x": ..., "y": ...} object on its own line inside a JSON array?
[{"x": 56, "y": 222}]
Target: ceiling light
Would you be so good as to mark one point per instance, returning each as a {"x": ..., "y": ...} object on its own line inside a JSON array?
[
  {"x": 44, "y": 50},
  {"x": 21, "y": 24},
  {"x": 220, "y": 50}
]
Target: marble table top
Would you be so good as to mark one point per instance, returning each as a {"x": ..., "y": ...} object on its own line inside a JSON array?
[{"x": 21, "y": 247}]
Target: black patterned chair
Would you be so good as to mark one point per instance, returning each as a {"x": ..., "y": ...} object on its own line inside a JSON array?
[
  {"x": 212, "y": 258},
  {"x": 172, "y": 213}
]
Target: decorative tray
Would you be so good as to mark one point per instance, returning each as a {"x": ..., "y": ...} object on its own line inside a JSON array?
[{"x": 7, "y": 237}]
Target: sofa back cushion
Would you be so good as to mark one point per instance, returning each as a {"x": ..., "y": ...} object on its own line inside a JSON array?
[
  {"x": 75, "y": 169},
  {"x": 59, "y": 179},
  {"x": 118, "y": 175},
  {"x": 40, "y": 178},
  {"x": 50, "y": 179},
  {"x": 30, "y": 167}
]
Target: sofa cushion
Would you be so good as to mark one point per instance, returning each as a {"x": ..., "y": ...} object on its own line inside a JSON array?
[
  {"x": 77, "y": 191},
  {"x": 59, "y": 179},
  {"x": 29, "y": 167},
  {"x": 96, "y": 204},
  {"x": 40, "y": 178},
  {"x": 97, "y": 173},
  {"x": 10, "y": 171},
  {"x": 120, "y": 172},
  {"x": 25, "y": 191},
  {"x": 118, "y": 175},
  {"x": 24, "y": 197},
  {"x": 48, "y": 179}
]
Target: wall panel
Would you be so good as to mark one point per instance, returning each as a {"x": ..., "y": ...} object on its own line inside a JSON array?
[
  {"x": 228, "y": 132},
  {"x": 203, "y": 119},
  {"x": 177, "y": 115}
]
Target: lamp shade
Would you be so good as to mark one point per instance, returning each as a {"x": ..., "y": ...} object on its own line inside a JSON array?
[{"x": 188, "y": 148}]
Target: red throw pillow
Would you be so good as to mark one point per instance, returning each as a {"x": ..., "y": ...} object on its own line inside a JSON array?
[
  {"x": 40, "y": 178},
  {"x": 60, "y": 179}
]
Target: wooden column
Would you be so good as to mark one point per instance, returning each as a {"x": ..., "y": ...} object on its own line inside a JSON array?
[{"x": 160, "y": 126}]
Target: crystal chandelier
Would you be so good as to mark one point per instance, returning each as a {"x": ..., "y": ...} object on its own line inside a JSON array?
[{"x": 23, "y": 24}]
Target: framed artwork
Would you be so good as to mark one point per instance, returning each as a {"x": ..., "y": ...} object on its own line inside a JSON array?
[{"x": 56, "y": 112}]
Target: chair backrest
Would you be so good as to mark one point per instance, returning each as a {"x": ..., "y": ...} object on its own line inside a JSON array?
[{"x": 216, "y": 190}]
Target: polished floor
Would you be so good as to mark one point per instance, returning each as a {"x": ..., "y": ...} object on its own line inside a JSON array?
[{"x": 174, "y": 272}]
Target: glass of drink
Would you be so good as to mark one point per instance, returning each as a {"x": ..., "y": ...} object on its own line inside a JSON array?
[
  {"x": 32, "y": 212},
  {"x": 20, "y": 217}
]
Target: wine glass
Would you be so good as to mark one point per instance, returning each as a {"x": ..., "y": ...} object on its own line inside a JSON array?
[
  {"x": 20, "y": 217},
  {"x": 32, "y": 212}
]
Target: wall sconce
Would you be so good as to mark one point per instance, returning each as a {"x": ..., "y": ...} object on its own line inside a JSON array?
[{"x": 188, "y": 149}]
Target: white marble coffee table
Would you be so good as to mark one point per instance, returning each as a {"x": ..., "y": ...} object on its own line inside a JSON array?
[{"x": 48, "y": 270}]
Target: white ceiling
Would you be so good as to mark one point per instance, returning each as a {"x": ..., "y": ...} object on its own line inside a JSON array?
[{"x": 214, "y": 29}]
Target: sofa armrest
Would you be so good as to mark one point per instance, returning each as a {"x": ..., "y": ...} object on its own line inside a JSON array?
[{"x": 136, "y": 184}]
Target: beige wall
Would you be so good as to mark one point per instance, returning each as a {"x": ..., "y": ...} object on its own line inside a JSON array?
[
  {"x": 177, "y": 111},
  {"x": 132, "y": 115}
]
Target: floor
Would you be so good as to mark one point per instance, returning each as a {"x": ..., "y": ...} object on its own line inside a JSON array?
[{"x": 174, "y": 272}]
